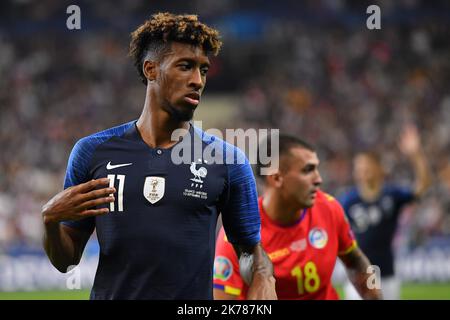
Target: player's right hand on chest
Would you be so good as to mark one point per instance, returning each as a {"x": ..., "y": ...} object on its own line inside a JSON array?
[{"x": 79, "y": 201}]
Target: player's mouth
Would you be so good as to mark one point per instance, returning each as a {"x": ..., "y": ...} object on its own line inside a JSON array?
[{"x": 192, "y": 98}]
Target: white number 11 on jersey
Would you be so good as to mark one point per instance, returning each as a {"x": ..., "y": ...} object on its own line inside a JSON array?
[{"x": 112, "y": 181}]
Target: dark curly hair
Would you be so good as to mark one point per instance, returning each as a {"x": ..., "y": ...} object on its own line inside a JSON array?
[{"x": 156, "y": 34}]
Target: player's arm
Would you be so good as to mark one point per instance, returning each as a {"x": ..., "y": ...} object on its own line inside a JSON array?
[
  {"x": 242, "y": 223},
  {"x": 355, "y": 261},
  {"x": 222, "y": 295},
  {"x": 410, "y": 145},
  {"x": 64, "y": 245},
  {"x": 356, "y": 264},
  {"x": 256, "y": 270}
]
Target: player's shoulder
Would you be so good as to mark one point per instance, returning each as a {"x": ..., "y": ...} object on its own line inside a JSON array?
[
  {"x": 92, "y": 141},
  {"x": 349, "y": 196},
  {"x": 393, "y": 189},
  {"x": 329, "y": 206},
  {"x": 326, "y": 200},
  {"x": 83, "y": 151},
  {"x": 230, "y": 154}
]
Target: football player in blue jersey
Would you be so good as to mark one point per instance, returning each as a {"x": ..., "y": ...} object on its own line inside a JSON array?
[
  {"x": 373, "y": 208},
  {"x": 155, "y": 219}
]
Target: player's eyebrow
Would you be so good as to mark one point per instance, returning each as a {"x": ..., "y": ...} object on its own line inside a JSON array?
[
  {"x": 310, "y": 167},
  {"x": 193, "y": 61}
]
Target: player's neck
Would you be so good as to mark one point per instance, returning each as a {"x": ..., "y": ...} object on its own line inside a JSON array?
[
  {"x": 370, "y": 191},
  {"x": 156, "y": 126},
  {"x": 279, "y": 210}
]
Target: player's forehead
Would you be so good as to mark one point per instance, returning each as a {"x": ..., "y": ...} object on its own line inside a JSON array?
[
  {"x": 363, "y": 159},
  {"x": 184, "y": 51}
]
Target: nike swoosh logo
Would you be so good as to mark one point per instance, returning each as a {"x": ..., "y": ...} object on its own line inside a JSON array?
[{"x": 110, "y": 166}]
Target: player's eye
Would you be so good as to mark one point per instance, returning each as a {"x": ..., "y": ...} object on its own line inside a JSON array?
[
  {"x": 184, "y": 66},
  {"x": 308, "y": 169},
  {"x": 204, "y": 71}
]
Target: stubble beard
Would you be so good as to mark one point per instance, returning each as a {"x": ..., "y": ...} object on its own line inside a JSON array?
[{"x": 178, "y": 114}]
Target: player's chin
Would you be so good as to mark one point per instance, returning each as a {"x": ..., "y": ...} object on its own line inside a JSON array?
[
  {"x": 184, "y": 112},
  {"x": 310, "y": 202}
]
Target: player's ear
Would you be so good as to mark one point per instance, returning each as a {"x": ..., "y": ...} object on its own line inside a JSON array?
[
  {"x": 149, "y": 70},
  {"x": 275, "y": 180}
]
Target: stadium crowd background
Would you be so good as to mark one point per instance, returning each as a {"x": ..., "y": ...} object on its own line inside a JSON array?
[{"x": 311, "y": 68}]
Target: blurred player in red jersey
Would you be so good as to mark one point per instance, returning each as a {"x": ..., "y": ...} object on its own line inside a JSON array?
[{"x": 303, "y": 230}]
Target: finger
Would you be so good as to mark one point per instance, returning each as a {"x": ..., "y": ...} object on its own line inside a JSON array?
[
  {"x": 94, "y": 212},
  {"x": 90, "y": 185},
  {"x": 78, "y": 199},
  {"x": 96, "y": 202},
  {"x": 97, "y": 194}
]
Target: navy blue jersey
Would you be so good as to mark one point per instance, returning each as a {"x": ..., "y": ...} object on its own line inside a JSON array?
[
  {"x": 374, "y": 223},
  {"x": 158, "y": 240}
]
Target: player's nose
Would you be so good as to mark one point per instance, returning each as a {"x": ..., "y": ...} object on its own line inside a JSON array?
[
  {"x": 318, "y": 179},
  {"x": 196, "y": 80}
]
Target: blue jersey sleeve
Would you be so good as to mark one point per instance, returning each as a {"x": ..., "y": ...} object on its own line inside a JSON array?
[
  {"x": 240, "y": 213},
  {"x": 402, "y": 195},
  {"x": 78, "y": 167},
  {"x": 78, "y": 172}
]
